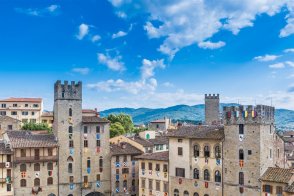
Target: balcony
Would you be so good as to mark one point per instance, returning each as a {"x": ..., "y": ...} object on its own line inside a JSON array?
[{"x": 34, "y": 159}]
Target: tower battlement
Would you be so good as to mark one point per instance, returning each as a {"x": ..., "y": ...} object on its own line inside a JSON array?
[
  {"x": 260, "y": 114},
  {"x": 68, "y": 91},
  {"x": 211, "y": 96}
]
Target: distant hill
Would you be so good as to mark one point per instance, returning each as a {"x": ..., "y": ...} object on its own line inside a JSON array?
[{"x": 284, "y": 118}]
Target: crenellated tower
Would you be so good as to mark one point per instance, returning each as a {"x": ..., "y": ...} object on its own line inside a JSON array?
[{"x": 211, "y": 109}]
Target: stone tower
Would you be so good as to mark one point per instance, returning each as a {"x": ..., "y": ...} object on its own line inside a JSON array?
[
  {"x": 249, "y": 148},
  {"x": 67, "y": 128},
  {"x": 211, "y": 109}
]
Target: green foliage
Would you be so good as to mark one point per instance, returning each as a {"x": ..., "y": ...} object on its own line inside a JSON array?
[
  {"x": 36, "y": 127},
  {"x": 139, "y": 129},
  {"x": 120, "y": 124},
  {"x": 116, "y": 129}
]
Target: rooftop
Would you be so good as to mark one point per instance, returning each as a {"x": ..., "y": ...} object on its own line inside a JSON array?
[
  {"x": 275, "y": 174},
  {"x": 8, "y": 118},
  {"x": 158, "y": 156},
  {"x": 143, "y": 142},
  {"x": 159, "y": 140},
  {"x": 26, "y": 139},
  {"x": 158, "y": 121},
  {"x": 290, "y": 188},
  {"x": 94, "y": 119},
  {"x": 89, "y": 111},
  {"x": 198, "y": 132},
  {"x": 47, "y": 114},
  {"x": 124, "y": 149},
  {"x": 13, "y": 99}
]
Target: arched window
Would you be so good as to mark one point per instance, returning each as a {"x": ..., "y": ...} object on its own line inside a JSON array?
[
  {"x": 206, "y": 175},
  {"x": 241, "y": 178},
  {"x": 23, "y": 183},
  {"x": 37, "y": 182},
  {"x": 70, "y": 159},
  {"x": 176, "y": 192},
  {"x": 117, "y": 184},
  {"x": 241, "y": 154},
  {"x": 36, "y": 167},
  {"x": 70, "y": 112},
  {"x": 196, "y": 173},
  {"x": 217, "y": 152},
  {"x": 101, "y": 164},
  {"x": 196, "y": 151},
  {"x": 23, "y": 168},
  {"x": 206, "y": 151},
  {"x": 50, "y": 166},
  {"x": 217, "y": 176},
  {"x": 196, "y": 194},
  {"x": 186, "y": 193},
  {"x": 206, "y": 195},
  {"x": 49, "y": 181}
]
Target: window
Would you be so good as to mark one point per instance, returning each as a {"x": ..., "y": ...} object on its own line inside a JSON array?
[
  {"x": 186, "y": 193},
  {"x": 25, "y": 113},
  {"x": 23, "y": 167},
  {"x": 165, "y": 168},
  {"x": 70, "y": 132},
  {"x": 217, "y": 152},
  {"x": 101, "y": 164},
  {"x": 125, "y": 158},
  {"x": 249, "y": 152},
  {"x": 241, "y": 154},
  {"x": 117, "y": 184},
  {"x": 196, "y": 151},
  {"x": 150, "y": 184},
  {"x": 23, "y": 183},
  {"x": 97, "y": 129},
  {"x": 98, "y": 177},
  {"x": 196, "y": 194},
  {"x": 85, "y": 129},
  {"x": 270, "y": 154},
  {"x": 88, "y": 163},
  {"x": 98, "y": 144},
  {"x": 117, "y": 159},
  {"x": 69, "y": 168},
  {"x": 37, "y": 182},
  {"x": 86, "y": 179},
  {"x": 196, "y": 173},
  {"x": 241, "y": 129},
  {"x": 35, "y": 105},
  {"x": 33, "y": 113},
  {"x": 8, "y": 172},
  {"x": 206, "y": 151},
  {"x": 180, "y": 140},
  {"x": 14, "y": 105},
  {"x": 71, "y": 179},
  {"x": 3, "y": 113},
  {"x": 8, "y": 157},
  {"x": 176, "y": 192},
  {"x": 50, "y": 166},
  {"x": 71, "y": 143},
  {"x": 150, "y": 166},
  {"x": 157, "y": 167},
  {"x": 85, "y": 143},
  {"x": 217, "y": 176},
  {"x": 180, "y": 172},
  {"x": 206, "y": 175},
  {"x": 180, "y": 151},
  {"x": 143, "y": 165},
  {"x": 26, "y": 105},
  {"x": 279, "y": 190},
  {"x": 3, "y": 105},
  {"x": 36, "y": 167},
  {"x": 125, "y": 183},
  {"x": 125, "y": 170},
  {"x": 50, "y": 152},
  {"x": 13, "y": 113},
  {"x": 8, "y": 187},
  {"x": 165, "y": 187},
  {"x": 267, "y": 188},
  {"x": 143, "y": 184},
  {"x": 49, "y": 181},
  {"x": 157, "y": 185},
  {"x": 70, "y": 112},
  {"x": 241, "y": 178}
]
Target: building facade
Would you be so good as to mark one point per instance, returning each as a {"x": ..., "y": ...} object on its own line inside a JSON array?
[
  {"x": 7, "y": 124},
  {"x": 6, "y": 169}
]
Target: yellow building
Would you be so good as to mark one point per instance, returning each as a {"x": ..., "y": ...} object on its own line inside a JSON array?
[
  {"x": 23, "y": 109},
  {"x": 47, "y": 117},
  {"x": 153, "y": 174}
]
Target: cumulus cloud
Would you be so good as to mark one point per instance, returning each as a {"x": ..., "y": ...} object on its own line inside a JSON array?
[
  {"x": 266, "y": 58},
  {"x": 113, "y": 63},
  {"x": 168, "y": 84},
  {"x": 119, "y": 34},
  {"x": 47, "y": 11},
  {"x": 95, "y": 38},
  {"x": 147, "y": 68},
  {"x": 81, "y": 70},
  {"x": 182, "y": 23},
  {"x": 290, "y": 63},
  {"x": 83, "y": 31},
  {"x": 289, "y": 50},
  {"x": 211, "y": 45},
  {"x": 277, "y": 66}
]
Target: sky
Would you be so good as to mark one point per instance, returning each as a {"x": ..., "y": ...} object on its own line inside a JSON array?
[{"x": 149, "y": 53}]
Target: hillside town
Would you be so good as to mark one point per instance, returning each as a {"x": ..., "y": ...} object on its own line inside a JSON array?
[{"x": 236, "y": 153}]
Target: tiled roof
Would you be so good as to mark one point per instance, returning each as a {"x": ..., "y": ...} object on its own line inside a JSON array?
[
  {"x": 159, "y": 140},
  {"x": 290, "y": 188},
  {"x": 288, "y": 133},
  {"x": 8, "y": 118},
  {"x": 26, "y": 139},
  {"x": 4, "y": 150},
  {"x": 47, "y": 114},
  {"x": 143, "y": 142},
  {"x": 198, "y": 132},
  {"x": 275, "y": 174},
  {"x": 94, "y": 119},
  {"x": 89, "y": 111},
  {"x": 13, "y": 99},
  {"x": 124, "y": 148},
  {"x": 158, "y": 156}
]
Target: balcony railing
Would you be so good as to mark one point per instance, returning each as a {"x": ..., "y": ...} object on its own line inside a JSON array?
[{"x": 30, "y": 159}]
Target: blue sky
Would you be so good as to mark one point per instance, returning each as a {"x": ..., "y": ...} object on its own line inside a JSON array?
[{"x": 149, "y": 53}]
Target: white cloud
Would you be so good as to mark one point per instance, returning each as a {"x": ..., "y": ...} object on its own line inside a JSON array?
[
  {"x": 119, "y": 34},
  {"x": 47, "y": 11},
  {"x": 81, "y": 70},
  {"x": 277, "y": 66},
  {"x": 289, "y": 50},
  {"x": 147, "y": 68},
  {"x": 168, "y": 84},
  {"x": 289, "y": 28},
  {"x": 113, "y": 63},
  {"x": 95, "y": 38},
  {"x": 266, "y": 58},
  {"x": 290, "y": 63},
  {"x": 83, "y": 31},
  {"x": 211, "y": 45},
  {"x": 186, "y": 22}
]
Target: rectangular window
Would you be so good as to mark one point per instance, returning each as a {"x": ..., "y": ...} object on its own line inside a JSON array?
[
  {"x": 71, "y": 143},
  {"x": 71, "y": 179},
  {"x": 165, "y": 187},
  {"x": 35, "y": 105},
  {"x": 98, "y": 144},
  {"x": 22, "y": 152},
  {"x": 33, "y": 113},
  {"x": 180, "y": 140},
  {"x": 125, "y": 158},
  {"x": 150, "y": 184},
  {"x": 249, "y": 152},
  {"x": 85, "y": 143},
  {"x": 26, "y": 105},
  {"x": 3, "y": 113},
  {"x": 8, "y": 173},
  {"x": 180, "y": 172},
  {"x": 279, "y": 190},
  {"x": 165, "y": 168},
  {"x": 14, "y": 105},
  {"x": 50, "y": 152},
  {"x": 143, "y": 185},
  {"x": 157, "y": 167},
  {"x": 268, "y": 188},
  {"x": 85, "y": 179},
  {"x": 180, "y": 151},
  {"x": 143, "y": 165},
  {"x": 98, "y": 177},
  {"x": 33, "y": 120},
  {"x": 270, "y": 155},
  {"x": 157, "y": 185},
  {"x": 125, "y": 170},
  {"x": 85, "y": 129},
  {"x": 117, "y": 159},
  {"x": 97, "y": 129},
  {"x": 8, "y": 158},
  {"x": 8, "y": 187},
  {"x": 88, "y": 163},
  {"x": 3, "y": 105},
  {"x": 241, "y": 129},
  {"x": 25, "y": 113},
  {"x": 9, "y": 127},
  {"x": 150, "y": 166},
  {"x": 13, "y": 113}
]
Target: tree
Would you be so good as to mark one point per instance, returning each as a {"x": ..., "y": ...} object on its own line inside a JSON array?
[
  {"x": 36, "y": 126},
  {"x": 116, "y": 129},
  {"x": 124, "y": 119}
]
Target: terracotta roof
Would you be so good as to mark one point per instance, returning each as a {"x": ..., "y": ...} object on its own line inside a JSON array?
[
  {"x": 13, "y": 99},
  {"x": 290, "y": 188},
  {"x": 8, "y": 118},
  {"x": 159, "y": 140},
  {"x": 4, "y": 150},
  {"x": 288, "y": 133},
  {"x": 158, "y": 156},
  {"x": 48, "y": 114},
  {"x": 88, "y": 111},
  {"x": 198, "y": 132},
  {"x": 26, "y": 139},
  {"x": 143, "y": 142},
  {"x": 124, "y": 149},
  {"x": 94, "y": 119},
  {"x": 275, "y": 174}
]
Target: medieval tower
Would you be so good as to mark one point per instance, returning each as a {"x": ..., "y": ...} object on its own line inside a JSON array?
[{"x": 211, "y": 109}]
